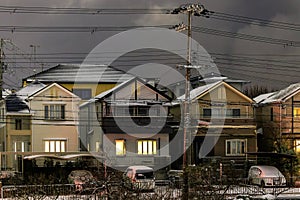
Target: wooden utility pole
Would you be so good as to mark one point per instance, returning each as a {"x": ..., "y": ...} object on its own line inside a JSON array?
[{"x": 1, "y": 66}]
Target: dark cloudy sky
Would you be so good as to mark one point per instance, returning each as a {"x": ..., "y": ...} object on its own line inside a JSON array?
[{"x": 273, "y": 65}]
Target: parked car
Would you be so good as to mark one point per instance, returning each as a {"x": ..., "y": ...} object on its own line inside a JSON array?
[
  {"x": 265, "y": 175},
  {"x": 175, "y": 177},
  {"x": 80, "y": 178},
  {"x": 139, "y": 178}
]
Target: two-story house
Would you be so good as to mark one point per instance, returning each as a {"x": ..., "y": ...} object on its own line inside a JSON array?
[
  {"x": 224, "y": 125},
  {"x": 85, "y": 81},
  {"x": 278, "y": 115},
  {"x": 129, "y": 123},
  {"x": 42, "y": 118}
]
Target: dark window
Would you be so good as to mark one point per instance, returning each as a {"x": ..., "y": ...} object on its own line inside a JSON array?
[
  {"x": 236, "y": 112},
  {"x": 22, "y": 124},
  {"x": 83, "y": 93},
  {"x": 18, "y": 124},
  {"x": 54, "y": 112},
  {"x": 206, "y": 112},
  {"x": 62, "y": 111},
  {"x": 271, "y": 114},
  {"x": 46, "y": 112}
]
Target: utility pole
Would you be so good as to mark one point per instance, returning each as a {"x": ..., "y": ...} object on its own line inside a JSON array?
[
  {"x": 1, "y": 66},
  {"x": 196, "y": 10}
]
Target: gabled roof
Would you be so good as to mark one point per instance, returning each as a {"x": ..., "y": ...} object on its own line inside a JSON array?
[
  {"x": 46, "y": 87},
  {"x": 72, "y": 73},
  {"x": 120, "y": 86},
  {"x": 279, "y": 96},
  {"x": 202, "y": 90},
  {"x": 30, "y": 89}
]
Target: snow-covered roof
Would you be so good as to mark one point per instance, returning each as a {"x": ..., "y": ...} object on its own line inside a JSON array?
[
  {"x": 279, "y": 96},
  {"x": 80, "y": 73},
  {"x": 199, "y": 90},
  {"x": 263, "y": 97},
  {"x": 30, "y": 89}
]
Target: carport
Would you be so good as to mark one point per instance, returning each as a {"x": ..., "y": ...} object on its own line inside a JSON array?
[{"x": 274, "y": 155}]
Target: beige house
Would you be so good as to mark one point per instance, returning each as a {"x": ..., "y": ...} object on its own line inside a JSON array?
[
  {"x": 46, "y": 116},
  {"x": 54, "y": 119},
  {"x": 222, "y": 124}
]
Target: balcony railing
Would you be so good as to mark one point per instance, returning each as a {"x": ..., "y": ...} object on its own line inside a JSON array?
[{"x": 110, "y": 125}]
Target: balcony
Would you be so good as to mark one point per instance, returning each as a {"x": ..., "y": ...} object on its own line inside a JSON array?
[
  {"x": 110, "y": 125},
  {"x": 238, "y": 121}
]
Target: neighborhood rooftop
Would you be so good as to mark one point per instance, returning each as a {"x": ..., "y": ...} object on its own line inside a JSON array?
[
  {"x": 279, "y": 96},
  {"x": 73, "y": 73}
]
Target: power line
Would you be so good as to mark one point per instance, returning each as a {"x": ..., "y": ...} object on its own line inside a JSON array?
[{"x": 94, "y": 29}]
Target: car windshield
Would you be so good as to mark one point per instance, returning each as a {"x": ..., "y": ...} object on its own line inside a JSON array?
[
  {"x": 144, "y": 174},
  {"x": 271, "y": 172}
]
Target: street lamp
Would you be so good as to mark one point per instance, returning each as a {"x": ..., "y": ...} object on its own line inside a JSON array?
[{"x": 196, "y": 10}]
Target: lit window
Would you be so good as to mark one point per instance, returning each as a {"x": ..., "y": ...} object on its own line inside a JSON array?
[
  {"x": 297, "y": 146},
  {"x": 296, "y": 112},
  {"x": 20, "y": 146},
  {"x": 55, "y": 145},
  {"x": 235, "y": 147},
  {"x": 147, "y": 147},
  {"x": 54, "y": 112},
  {"x": 120, "y": 147}
]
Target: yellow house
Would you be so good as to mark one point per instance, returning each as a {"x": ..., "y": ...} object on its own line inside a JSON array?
[
  {"x": 18, "y": 130},
  {"x": 85, "y": 81}
]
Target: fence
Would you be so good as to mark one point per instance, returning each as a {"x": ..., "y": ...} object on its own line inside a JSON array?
[{"x": 163, "y": 190}]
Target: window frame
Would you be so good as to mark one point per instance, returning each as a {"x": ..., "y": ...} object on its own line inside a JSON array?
[
  {"x": 54, "y": 142},
  {"x": 20, "y": 123},
  {"x": 148, "y": 147},
  {"x": 83, "y": 93},
  {"x": 123, "y": 150},
  {"x": 240, "y": 146},
  {"x": 55, "y": 111}
]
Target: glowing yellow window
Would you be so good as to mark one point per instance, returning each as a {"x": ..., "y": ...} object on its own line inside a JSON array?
[
  {"x": 297, "y": 146},
  {"x": 147, "y": 147},
  {"x": 120, "y": 148},
  {"x": 296, "y": 112}
]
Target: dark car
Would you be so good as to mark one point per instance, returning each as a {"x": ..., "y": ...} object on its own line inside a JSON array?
[
  {"x": 176, "y": 178},
  {"x": 80, "y": 178}
]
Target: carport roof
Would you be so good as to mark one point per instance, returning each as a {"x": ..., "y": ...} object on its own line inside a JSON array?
[{"x": 272, "y": 154}]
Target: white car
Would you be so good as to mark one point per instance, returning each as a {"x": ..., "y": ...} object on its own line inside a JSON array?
[{"x": 265, "y": 175}]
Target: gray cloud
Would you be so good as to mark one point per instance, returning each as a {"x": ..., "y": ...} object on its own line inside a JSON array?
[{"x": 280, "y": 10}]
